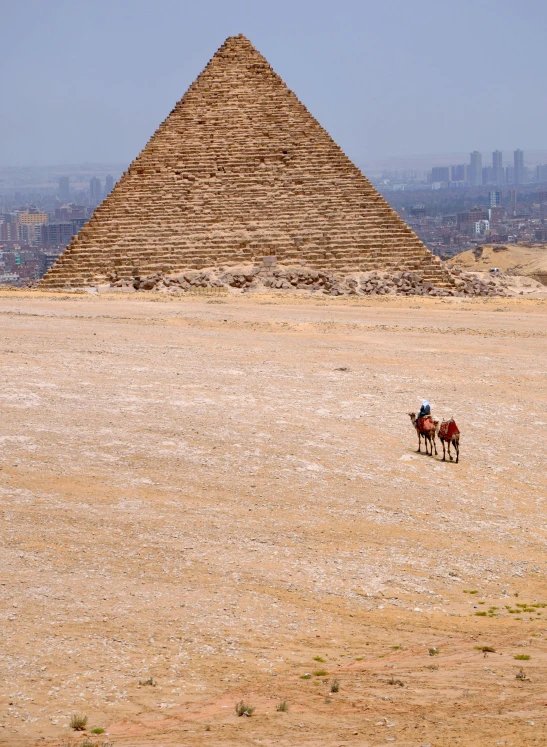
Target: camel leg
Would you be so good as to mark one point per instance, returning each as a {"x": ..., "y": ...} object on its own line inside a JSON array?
[
  {"x": 457, "y": 447},
  {"x": 419, "y": 443},
  {"x": 444, "y": 453},
  {"x": 449, "y": 453},
  {"x": 435, "y": 445}
]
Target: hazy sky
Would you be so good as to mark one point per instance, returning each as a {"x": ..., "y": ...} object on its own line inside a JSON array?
[{"x": 90, "y": 80}]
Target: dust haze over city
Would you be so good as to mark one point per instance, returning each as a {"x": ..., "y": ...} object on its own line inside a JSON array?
[{"x": 273, "y": 290}]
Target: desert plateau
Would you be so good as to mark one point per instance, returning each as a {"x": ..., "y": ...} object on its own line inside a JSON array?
[{"x": 211, "y": 500}]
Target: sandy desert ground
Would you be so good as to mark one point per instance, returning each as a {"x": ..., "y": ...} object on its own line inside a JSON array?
[{"x": 223, "y": 494}]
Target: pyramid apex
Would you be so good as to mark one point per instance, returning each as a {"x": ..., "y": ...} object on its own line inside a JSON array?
[
  {"x": 240, "y": 37},
  {"x": 239, "y": 40}
]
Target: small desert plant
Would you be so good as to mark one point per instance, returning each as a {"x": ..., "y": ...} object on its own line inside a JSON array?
[
  {"x": 522, "y": 657},
  {"x": 359, "y": 658},
  {"x": 208, "y": 727},
  {"x": 318, "y": 658},
  {"x": 520, "y": 675},
  {"x": 98, "y": 730},
  {"x": 242, "y": 709},
  {"x": 149, "y": 681},
  {"x": 486, "y": 650},
  {"x": 480, "y": 614},
  {"x": 433, "y": 651},
  {"x": 306, "y": 676},
  {"x": 396, "y": 648},
  {"x": 470, "y": 591},
  {"x": 283, "y": 707},
  {"x": 320, "y": 672},
  {"x": 393, "y": 681},
  {"x": 78, "y": 722},
  {"x": 335, "y": 686}
]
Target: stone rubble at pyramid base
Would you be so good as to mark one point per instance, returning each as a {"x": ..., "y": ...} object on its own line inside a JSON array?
[
  {"x": 299, "y": 279},
  {"x": 80, "y": 272}
]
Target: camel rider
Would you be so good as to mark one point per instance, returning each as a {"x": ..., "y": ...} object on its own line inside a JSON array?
[{"x": 425, "y": 410}]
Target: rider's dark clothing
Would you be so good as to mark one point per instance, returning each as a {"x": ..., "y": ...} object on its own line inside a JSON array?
[{"x": 424, "y": 411}]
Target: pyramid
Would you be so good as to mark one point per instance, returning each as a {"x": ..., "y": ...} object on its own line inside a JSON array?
[{"x": 240, "y": 170}]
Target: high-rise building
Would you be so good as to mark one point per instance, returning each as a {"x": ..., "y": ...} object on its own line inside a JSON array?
[
  {"x": 518, "y": 175},
  {"x": 494, "y": 198},
  {"x": 9, "y": 227},
  {"x": 513, "y": 200},
  {"x": 460, "y": 173},
  {"x": 64, "y": 187},
  {"x": 440, "y": 174},
  {"x": 108, "y": 185},
  {"x": 30, "y": 224},
  {"x": 497, "y": 168},
  {"x": 475, "y": 169},
  {"x": 487, "y": 175},
  {"x": 541, "y": 173},
  {"x": 95, "y": 193}
]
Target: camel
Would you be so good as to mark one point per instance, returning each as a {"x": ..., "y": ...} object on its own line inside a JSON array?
[
  {"x": 450, "y": 433},
  {"x": 427, "y": 430}
]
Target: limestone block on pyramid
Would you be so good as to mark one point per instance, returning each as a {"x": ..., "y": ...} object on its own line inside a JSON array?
[{"x": 240, "y": 170}]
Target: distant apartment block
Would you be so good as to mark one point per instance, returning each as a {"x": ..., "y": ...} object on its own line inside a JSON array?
[
  {"x": 498, "y": 173},
  {"x": 95, "y": 189},
  {"x": 30, "y": 226},
  {"x": 64, "y": 188},
  {"x": 487, "y": 175},
  {"x": 475, "y": 169},
  {"x": 518, "y": 165},
  {"x": 481, "y": 227},
  {"x": 494, "y": 198},
  {"x": 60, "y": 234},
  {"x": 418, "y": 211},
  {"x": 70, "y": 212},
  {"x": 440, "y": 174},
  {"x": 459, "y": 173}
]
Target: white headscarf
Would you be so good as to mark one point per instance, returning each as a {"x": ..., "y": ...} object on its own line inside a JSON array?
[{"x": 425, "y": 403}]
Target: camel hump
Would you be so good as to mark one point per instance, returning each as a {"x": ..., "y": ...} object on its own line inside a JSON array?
[
  {"x": 449, "y": 429},
  {"x": 426, "y": 424}
]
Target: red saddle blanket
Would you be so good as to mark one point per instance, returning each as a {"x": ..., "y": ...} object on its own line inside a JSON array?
[
  {"x": 426, "y": 424},
  {"x": 448, "y": 429}
]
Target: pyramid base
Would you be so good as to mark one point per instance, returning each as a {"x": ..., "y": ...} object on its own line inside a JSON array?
[{"x": 302, "y": 281}]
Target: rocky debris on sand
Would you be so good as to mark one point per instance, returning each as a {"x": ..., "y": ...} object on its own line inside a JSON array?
[{"x": 375, "y": 283}]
